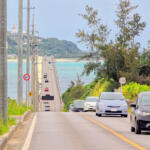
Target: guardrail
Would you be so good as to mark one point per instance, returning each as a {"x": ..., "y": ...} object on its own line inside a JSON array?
[{"x": 57, "y": 81}]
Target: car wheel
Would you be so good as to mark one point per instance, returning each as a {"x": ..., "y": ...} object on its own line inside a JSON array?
[
  {"x": 137, "y": 128},
  {"x": 99, "y": 115},
  {"x": 125, "y": 116},
  {"x": 132, "y": 129}
]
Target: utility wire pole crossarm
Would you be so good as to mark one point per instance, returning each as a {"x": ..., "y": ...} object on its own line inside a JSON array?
[{"x": 3, "y": 61}]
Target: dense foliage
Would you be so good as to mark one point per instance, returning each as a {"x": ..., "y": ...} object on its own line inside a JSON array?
[
  {"x": 47, "y": 46},
  {"x": 132, "y": 89}
]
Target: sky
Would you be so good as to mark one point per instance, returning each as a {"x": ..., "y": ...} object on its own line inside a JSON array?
[{"x": 60, "y": 18}]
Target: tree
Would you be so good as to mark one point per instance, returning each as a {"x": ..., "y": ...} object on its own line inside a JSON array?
[
  {"x": 129, "y": 27},
  {"x": 121, "y": 56}
]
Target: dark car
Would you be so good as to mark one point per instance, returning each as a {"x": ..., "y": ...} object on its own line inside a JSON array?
[
  {"x": 140, "y": 113},
  {"x": 47, "y": 97},
  {"x": 78, "y": 105},
  {"x": 44, "y": 76},
  {"x": 46, "y": 81}
]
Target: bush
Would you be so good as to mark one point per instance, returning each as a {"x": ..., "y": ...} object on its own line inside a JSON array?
[{"x": 132, "y": 89}]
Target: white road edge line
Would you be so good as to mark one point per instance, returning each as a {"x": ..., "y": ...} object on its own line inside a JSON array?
[{"x": 26, "y": 145}]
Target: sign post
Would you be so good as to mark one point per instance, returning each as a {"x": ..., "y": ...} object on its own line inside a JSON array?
[{"x": 122, "y": 81}]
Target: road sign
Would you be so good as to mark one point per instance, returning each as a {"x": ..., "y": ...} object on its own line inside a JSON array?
[
  {"x": 30, "y": 94},
  {"x": 26, "y": 77},
  {"x": 122, "y": 80}
]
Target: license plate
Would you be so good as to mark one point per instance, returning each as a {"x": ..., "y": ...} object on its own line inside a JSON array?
[{"x": 113, "y": 109}]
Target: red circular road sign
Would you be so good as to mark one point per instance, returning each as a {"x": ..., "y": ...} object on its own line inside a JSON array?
[{"x": 26, "y": 77}]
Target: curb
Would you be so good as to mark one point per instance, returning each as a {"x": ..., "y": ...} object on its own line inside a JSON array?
[{"x": 4, "y": 138}]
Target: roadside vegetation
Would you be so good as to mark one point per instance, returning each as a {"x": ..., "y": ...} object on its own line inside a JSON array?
[
  {"x": 13, "y": 110},
  {"x": 122, "y": 56}
]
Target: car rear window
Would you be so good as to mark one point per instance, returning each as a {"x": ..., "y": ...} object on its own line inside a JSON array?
[
  {"x": 112, "y": 97},
  {"x": 91, "y": 99},
  {"x": 145, "y": 100}
]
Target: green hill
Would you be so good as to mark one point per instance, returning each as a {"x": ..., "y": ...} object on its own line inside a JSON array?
[{"x": 47, "y": 46}]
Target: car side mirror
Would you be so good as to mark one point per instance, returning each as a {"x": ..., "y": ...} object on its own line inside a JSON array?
[{"x": 133, "y": 105}]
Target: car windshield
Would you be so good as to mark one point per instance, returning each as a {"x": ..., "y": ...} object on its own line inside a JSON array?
[
  {"x": 112, "y": 97},
  {"x": 91, "y": 99},
  {"x": 145, "y": 100},
  {"x": 79, "y": 103}
]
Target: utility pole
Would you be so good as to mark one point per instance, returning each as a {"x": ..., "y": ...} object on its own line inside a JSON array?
[
  {"x": 33, "y": 74},
  {"x": 28, "y": 52},
  {"x": 3, "y": 62},
  {"x": 20, "y": 36}
]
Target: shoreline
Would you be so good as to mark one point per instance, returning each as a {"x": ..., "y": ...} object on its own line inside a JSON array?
[{"x": 57, "y": 60}]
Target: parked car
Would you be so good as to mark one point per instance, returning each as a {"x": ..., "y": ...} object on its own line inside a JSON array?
[
  {"x": 71, "y": 107},
  {"x": 112, "y": 103},
  {"x": 78, "y": 105},
  {"x": 46, "y": 81},
  {"x": 140, "y": 113},
  {"x": 90, "y": 104},
  {"x": 46, "y": 89}
]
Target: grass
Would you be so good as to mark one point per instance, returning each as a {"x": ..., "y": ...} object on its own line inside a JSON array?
[
  {"x": 16, "y": 110},
  {"x": 13, "y": 110}
]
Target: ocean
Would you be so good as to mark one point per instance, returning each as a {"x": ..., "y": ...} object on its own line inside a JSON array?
[{"x": 67, "y": 72}]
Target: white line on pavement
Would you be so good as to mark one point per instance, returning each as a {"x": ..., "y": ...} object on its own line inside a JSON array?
[{"x": 30, "y": 133}]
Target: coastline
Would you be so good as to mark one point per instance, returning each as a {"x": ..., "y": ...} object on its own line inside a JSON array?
[{"x": 57, "y": 60}]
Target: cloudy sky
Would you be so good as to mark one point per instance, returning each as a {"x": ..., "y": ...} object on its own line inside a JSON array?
[{"x": 59, "y": 18}]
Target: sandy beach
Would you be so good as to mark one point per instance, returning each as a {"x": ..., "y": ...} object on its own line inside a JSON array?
[{"x": 57, "y": 60}]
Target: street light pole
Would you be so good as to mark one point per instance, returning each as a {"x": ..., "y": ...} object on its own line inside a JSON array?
[
  {"x": 3, "y": 61},
  {"x": 28, "y": 52},
  {"x": 20, "y": 36}
]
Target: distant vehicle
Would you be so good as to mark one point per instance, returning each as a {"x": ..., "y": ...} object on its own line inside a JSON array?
[
  {"x": 47, "y": 97},
  {"x": 46, "y": 89},
  {"x": 140, "y": 113},
  {"x": 90, "y": 104},
  {"x": 112, "y": 103},
  {"x": 71, "y": 107},
  {"x": 47, "y": 108},
  {"x": 46, "y": 81},
  {"x": 78, "y": 105},
  {"x": 44, "y": 76},
  {"x": 46, "y": 102}
]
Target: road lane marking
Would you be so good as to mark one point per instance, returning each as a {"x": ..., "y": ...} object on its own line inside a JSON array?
[
  {"x": 26, "y": 145},
  {"x": 114, "y": 132}
]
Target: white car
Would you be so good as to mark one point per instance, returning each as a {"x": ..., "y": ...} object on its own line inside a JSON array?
[{"x": 90, "y": 104}]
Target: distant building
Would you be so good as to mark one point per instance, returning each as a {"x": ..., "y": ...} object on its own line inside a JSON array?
[{"x": 14, "y": 29}]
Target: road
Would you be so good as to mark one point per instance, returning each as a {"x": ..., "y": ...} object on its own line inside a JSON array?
[
  {"x": 53, "y": 85},
  {"x": 85, "y": 131}
]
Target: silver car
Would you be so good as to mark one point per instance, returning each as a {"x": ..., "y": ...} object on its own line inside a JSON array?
[{"x": 112, "y": 103}]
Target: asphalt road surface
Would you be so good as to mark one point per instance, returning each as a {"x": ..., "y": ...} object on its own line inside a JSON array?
[
  {"x": 85, "y": 131},
  {"x": 49, "y": 69}
]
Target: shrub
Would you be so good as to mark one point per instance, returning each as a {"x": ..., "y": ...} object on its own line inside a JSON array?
[{"x": 132, "y": 89}]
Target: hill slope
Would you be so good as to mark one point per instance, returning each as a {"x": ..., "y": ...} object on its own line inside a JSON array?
[{"x": 47, "y": 46}]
